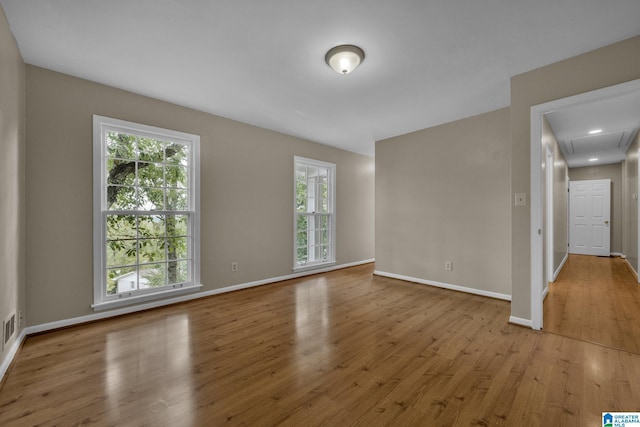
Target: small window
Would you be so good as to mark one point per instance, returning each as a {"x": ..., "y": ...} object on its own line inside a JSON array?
[
  {"x": 314, "y": 219},
  {"x": 146, "y": 211}
]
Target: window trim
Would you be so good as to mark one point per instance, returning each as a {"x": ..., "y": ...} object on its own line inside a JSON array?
[
  {"x": 100, "y": 124},
  {"x": 331, "y": 167}
]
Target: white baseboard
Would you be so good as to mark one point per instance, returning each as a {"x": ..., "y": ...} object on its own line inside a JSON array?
[
  {"x": 155, "y": 304},
  {"x": 557, "y": 272},
  {"x": 520, "y": 321},
  {"x": 445, "y": 285},
  {"x": 11, "y": 353},
  {"x": 545, "y": 292},
  {"x": 619, "y": 254},
  {"x": 633, "y": 270}
]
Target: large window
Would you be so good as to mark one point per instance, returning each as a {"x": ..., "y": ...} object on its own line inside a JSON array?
[
  {"x": 146, "y": 212},
  {"x": 314, "y": 221}
]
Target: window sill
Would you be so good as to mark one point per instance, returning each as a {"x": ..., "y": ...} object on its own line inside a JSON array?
[
  {"x": 314, "y": 266},
  {"x": 121, "y": 302}
]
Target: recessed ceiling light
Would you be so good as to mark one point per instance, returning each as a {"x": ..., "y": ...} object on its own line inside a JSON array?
[
  {"x": 593, "y": 159},
  {"x": 595, "y": 131}
]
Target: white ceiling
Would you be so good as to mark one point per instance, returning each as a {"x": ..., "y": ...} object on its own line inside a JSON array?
[
  {"x": 618, "y": 118},
  {"x": 262, "y": 62}
]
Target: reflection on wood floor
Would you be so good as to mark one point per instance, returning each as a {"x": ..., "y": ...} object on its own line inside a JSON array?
[
  {"x": 337, "y": 349},
  {"x": 596, "y": 299}
]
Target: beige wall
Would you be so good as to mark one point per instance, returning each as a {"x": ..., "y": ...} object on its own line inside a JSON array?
[
  {"x": 614, "y": 173},
  {"x": 607, "y": 66},
  {"x": 560, "y": 199},
  {"x": 443, "y": 194},
  {"x": 630, "y": 204},
  {"x": 12, "y": 134},
  {"x": 246, "y": 192}
]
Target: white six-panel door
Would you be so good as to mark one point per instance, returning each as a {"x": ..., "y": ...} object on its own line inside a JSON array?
[{"x": 589, "y": 210}]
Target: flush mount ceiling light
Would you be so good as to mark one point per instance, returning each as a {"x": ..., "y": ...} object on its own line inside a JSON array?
[
  {"x": 344, "y": 58},
  {"x": 593, "y": 159},
  {"x": 595, "y": 131}
]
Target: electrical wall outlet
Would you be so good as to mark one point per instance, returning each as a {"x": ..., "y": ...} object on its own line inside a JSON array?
[
  {"x": 521, "y": 199},
  {"x": 448, "y": 265},
  {"x": 234, "y": 266}
]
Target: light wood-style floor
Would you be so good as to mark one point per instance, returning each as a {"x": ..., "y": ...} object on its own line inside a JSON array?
[
  {"x": 339, "y": 349},
  {"x": 595, "y": 299}
]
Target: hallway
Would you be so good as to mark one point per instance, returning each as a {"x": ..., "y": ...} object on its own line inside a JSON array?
[{"x": 595, "y": 299}]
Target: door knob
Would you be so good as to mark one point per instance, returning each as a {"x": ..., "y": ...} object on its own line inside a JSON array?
[{"x": 606, "y": 222}]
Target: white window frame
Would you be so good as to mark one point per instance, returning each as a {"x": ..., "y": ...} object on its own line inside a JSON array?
[
  {"x": 101, "y": 125},
  {"x": 331, "y": 214}
]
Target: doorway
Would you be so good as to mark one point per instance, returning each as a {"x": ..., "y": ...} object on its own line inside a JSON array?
[
  {"x": 589, "y": 213},
  {"x": 538, "y": 180}
]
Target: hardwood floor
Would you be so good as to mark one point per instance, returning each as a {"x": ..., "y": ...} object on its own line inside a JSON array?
[
  {"x": 338, "y": 349},
  {"x": 597, "y": 300}
]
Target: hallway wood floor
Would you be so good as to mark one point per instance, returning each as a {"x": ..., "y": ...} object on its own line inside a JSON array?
[
  {"x": 344, "y": 348},
  {"x": 595, "y": 299}
]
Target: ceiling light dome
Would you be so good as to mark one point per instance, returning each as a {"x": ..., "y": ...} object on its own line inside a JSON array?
[{"x": 344, "y": 58}]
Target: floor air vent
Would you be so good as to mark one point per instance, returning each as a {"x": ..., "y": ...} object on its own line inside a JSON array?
[{"x": 8, "y": 328}]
